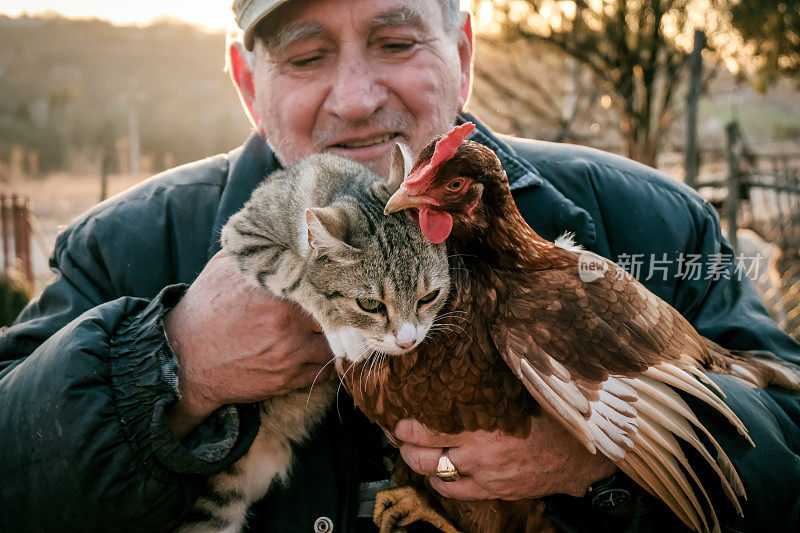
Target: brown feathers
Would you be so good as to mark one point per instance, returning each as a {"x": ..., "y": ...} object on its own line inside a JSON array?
[{"x": 606, "y": 357}]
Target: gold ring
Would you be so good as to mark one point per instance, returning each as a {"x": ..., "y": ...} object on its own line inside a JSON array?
[{"x": 445, "y": 469}]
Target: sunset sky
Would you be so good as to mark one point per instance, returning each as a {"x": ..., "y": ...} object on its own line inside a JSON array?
[{"x": 214, "y": 14}]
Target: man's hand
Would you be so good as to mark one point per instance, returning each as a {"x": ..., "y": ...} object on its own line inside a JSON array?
[
  {"x": 495, "y": 465},
  {"x": 237, "y": 343}
]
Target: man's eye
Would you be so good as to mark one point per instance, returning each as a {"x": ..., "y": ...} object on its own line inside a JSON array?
[
  {"x": 397, "y": 47},
  {"x": 305, "y": 62}
]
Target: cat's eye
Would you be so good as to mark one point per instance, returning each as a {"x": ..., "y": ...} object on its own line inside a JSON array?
[
  {"x": 428, "y": 298},
  {"x": 370, "y": 305},
  {"x": 456, "y": 184}
]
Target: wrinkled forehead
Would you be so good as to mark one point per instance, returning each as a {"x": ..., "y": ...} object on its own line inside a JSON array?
[{"x": 297, "y": 20}]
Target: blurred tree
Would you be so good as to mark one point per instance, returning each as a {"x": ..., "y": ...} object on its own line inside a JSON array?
[
  {"x": 773, "y": 28},
  {"x": 62, "y": 80},
  {"x": 636, "y": 50},
  {"x": 525, "y": 89}
]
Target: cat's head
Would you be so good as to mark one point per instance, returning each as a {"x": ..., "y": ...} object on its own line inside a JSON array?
[{"x": 382, "y": 283}]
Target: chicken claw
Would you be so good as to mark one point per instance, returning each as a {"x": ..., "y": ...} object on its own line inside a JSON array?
[{"x": 395, "y": 508}]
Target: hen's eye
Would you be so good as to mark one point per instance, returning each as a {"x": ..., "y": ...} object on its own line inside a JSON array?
[
  {"x": 428, "y": 298},
  {"x": 371, "y": 305},
  {"x": 456, "y": 184}
]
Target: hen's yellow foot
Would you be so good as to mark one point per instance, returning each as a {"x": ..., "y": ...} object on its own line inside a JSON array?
[{"x": 395, "y": 508}]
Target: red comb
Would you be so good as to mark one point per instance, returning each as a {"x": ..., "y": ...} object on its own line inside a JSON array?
[{"x": 446, "y": 148}]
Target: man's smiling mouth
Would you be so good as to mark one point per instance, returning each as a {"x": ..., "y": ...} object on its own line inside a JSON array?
[{"x": 372, "y": 141}]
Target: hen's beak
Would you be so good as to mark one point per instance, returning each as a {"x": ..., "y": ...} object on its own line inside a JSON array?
[{"x": 405, "y": 199}]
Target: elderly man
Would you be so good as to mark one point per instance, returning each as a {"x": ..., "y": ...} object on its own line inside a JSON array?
[{"x": 131, "y": 379}]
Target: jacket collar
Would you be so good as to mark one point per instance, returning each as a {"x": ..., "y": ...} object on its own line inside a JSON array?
[
  {"x": 520, "y": 173},
  {"x": 249, "y": 165},
  {"x": 553, "y": 214},
  {"x": 546, "y": 209}
]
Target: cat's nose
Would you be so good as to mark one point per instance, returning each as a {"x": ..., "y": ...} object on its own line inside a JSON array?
[{"x": 407, "y": 336}]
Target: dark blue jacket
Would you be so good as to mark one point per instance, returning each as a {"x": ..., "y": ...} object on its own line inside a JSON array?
[{"x": 86, "y": 374}]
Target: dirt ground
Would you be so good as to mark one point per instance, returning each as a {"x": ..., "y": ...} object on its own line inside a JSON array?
[{"x": 55, "y": 200}]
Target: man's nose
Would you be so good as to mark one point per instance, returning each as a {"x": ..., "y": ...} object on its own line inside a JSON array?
[{"x": 356, "y": 90}]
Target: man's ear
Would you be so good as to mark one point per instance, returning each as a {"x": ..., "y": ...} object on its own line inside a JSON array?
[
  {"x": 242, "y": 76},
  {"x": 466, "y": 46}
]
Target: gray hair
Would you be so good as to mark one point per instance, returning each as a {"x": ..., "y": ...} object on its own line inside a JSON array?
[
  {"x": 452, "y": 15},
  {"x": 454, "y": 18}
]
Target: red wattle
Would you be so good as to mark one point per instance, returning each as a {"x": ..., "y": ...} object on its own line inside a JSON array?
[{"x": 435, "y": 225}]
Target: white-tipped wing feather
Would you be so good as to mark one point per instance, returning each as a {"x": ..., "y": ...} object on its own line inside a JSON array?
[{"x": 610, "y": 361}]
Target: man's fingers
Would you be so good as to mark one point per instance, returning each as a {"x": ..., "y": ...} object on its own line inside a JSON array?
[
  {"x": 414, "y": 432},
  {"x": 300, "y": 319},
  {"x": 421, "y": 460},
  {"x": 424, "y": 461},
  {"x": 313, "y": 374},
  {"x": 317, "y": 350},
  {"x": 464, "y": 489},
  {"x": 468, "y": 459}
]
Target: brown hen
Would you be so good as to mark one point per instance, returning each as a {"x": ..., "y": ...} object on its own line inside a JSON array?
[{"x": 604, "y": 357}]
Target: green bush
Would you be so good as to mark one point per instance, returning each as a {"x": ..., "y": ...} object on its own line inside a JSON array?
[{"x": 12, "y": 299}]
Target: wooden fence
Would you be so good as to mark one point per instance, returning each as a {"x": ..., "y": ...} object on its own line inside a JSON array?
[
  {"x": 761, "y": 210},
  {"x": 15, "y": 221}
]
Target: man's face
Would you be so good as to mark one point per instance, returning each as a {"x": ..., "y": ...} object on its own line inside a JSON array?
[{"x": 352, "y": 77}]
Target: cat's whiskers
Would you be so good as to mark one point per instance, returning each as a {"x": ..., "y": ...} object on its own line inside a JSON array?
[
  {"x": 441, "y": 329},
  {"x": 450, "y": 313},
  {"x": 359, "y": 358},
  {"x": 454, "y": 318},
  {"x": 459, "y": 264},
  {"x": 339, "y": 388},
  {"x": 460, "y": 255},
  {"x": 368, "y": 365},
  {"x": 344, "y": 375},
  {"x": 382, "y": 357},
  {"x": 372, "y": 358},
  {"x": 375, "y": 364},
  {"x": 369, "y": 360},
  {"x": 448, "y": 326},
  {"x": 333, "y": 359},
  {"x": 455, "y": 315}
]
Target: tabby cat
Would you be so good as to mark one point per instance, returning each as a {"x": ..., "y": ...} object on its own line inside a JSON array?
[{"x": 316, "y": 234}]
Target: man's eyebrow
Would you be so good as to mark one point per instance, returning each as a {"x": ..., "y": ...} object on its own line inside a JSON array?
[
  {"x": 291, "y": 33},
  {"x": 298, "y": 31},
  {"x": 402, "y": 16}
]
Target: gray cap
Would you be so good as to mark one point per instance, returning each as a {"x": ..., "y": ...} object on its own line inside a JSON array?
[{"x": 249, "y": 13}]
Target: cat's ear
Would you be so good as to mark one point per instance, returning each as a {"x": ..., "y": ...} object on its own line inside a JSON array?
[
  {"x": 327, "y": 227},
  {"x": 401, "y": 165}
]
